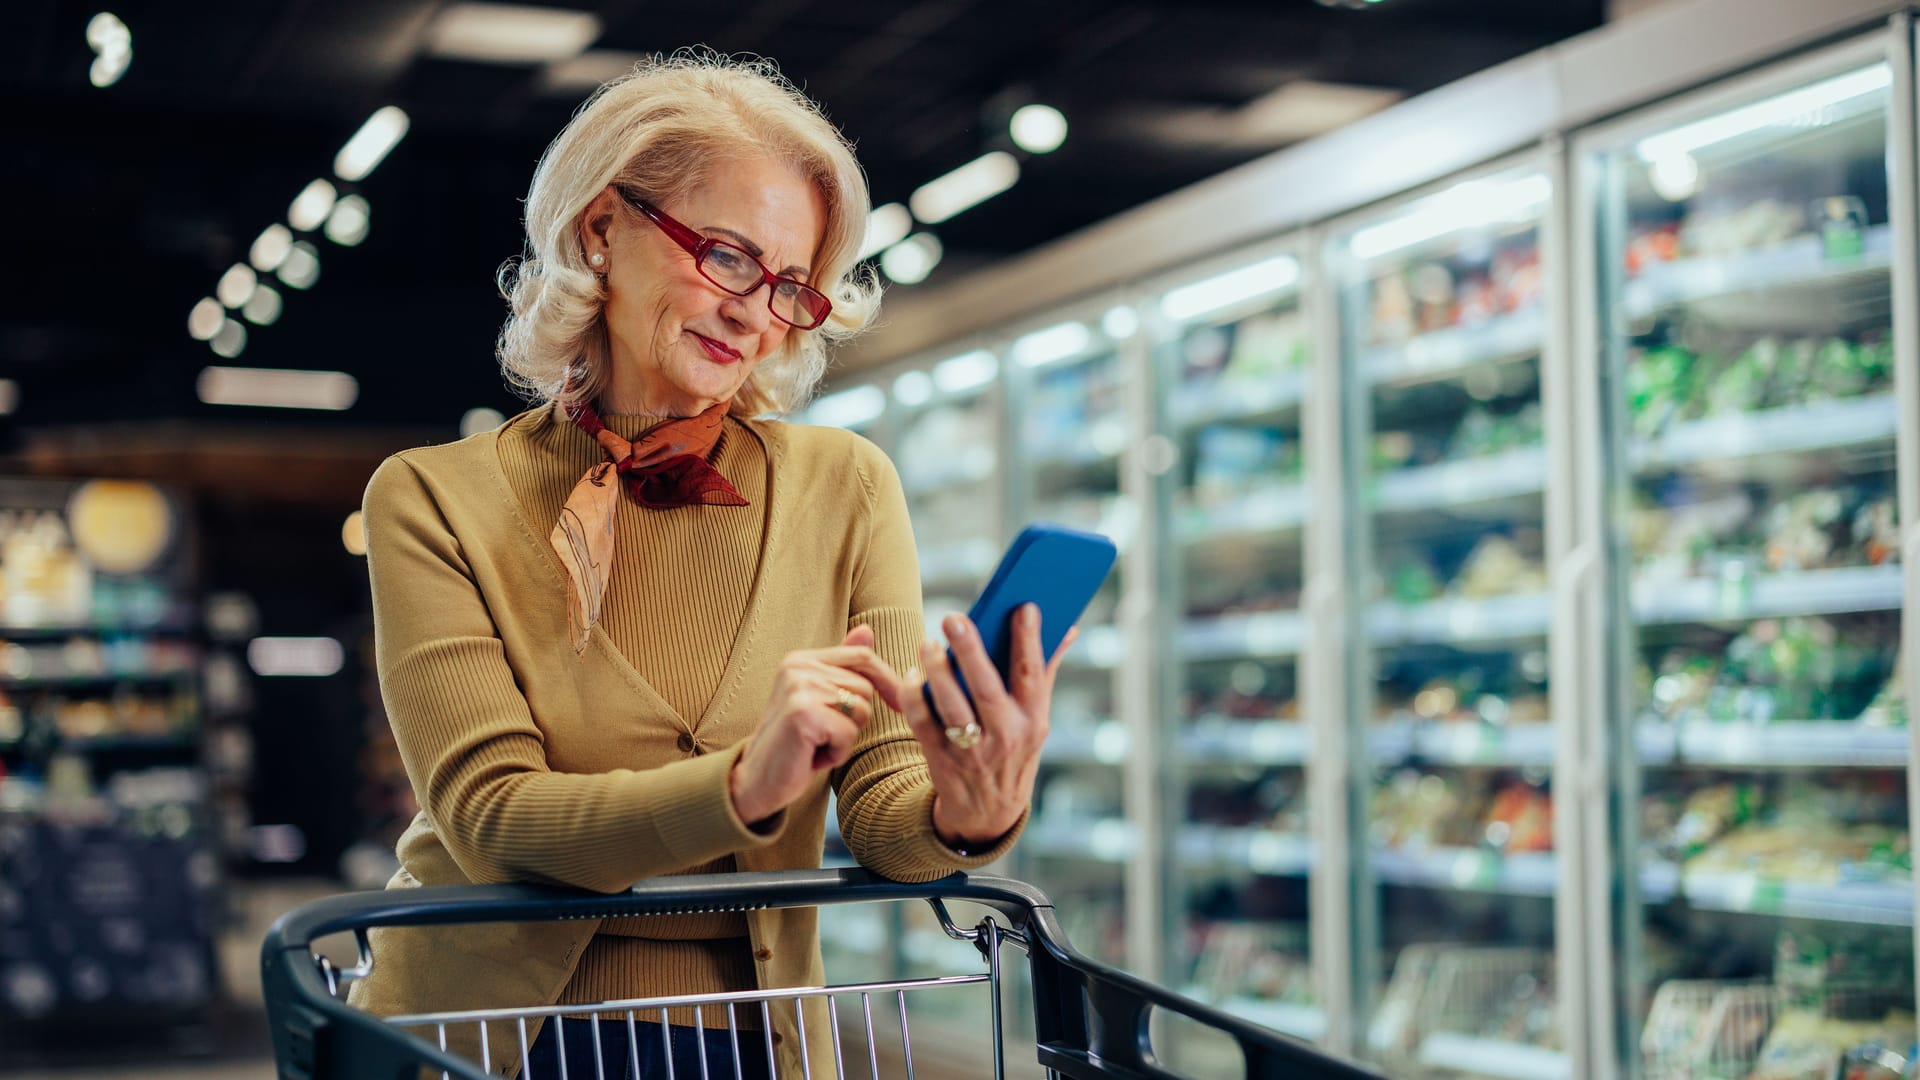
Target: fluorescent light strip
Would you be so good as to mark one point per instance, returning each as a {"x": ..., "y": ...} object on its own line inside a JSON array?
[
  {"x": 1234, "y": 286},
  {"x": 1052, "y": 344},
  {"x": 307, "y": 657},
  {"x": 278, "y": 388},
  {"x": 1473, "y": 204},
  {"x": 849, "y": 408},
  {"x": 311, "y": 206},
  {"x": 370, "y": 145},
  {"x": 510, "y": 33},
  {"x": 969, "y": 185},
  {"x": 913, "y": 388},
  {"x": 968, "y": 371},
  {"x": 886, "y": 226},
  {"x": 1804, "y": 107}
]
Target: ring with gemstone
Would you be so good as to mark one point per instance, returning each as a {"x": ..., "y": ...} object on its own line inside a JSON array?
[
  {"x": 964, "y": 738},
  {"x": 844, "y": 702}
]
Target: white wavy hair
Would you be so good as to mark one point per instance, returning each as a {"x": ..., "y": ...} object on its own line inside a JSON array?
[{"x": 660, "y": 130}]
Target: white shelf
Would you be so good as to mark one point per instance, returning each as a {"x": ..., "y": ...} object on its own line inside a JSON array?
[
  {"x": 1259, "y": 634},
  {"x": 1467, "y": 870},
  {"x": 1455, "y": 1052},
  {"x": 1263, "y": 851},
  {"x": 1499, "y": 618},
  {"x": 1255, "y": 742},
  {"x": 966, "y": 561},
  {"x": 1103, "y": 744},
  {"x": 1463, "y": 743},
  {"x": 1874, "y": 903},
  {"x": 1799, "y": 261},
  {"x": 1099, "y": 648},
  {"x": 1106, "y": 840},
  {"x": 1444, "y": 352},
  {"x": 1234, "y": 399},
  {"x": 1806, "y": 592},
  {"x": 1798, "y": 429},
  {"x": 968, "y": 465},
  {"x": 1279, "y": 508},
  {"x": 1801, "y": 744},
  {"x": 1300, "y": 1021},
  {"x": 1507, "y": 475}
]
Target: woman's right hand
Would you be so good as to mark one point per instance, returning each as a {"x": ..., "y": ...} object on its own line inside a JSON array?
[{"x": 804, "y": 730}]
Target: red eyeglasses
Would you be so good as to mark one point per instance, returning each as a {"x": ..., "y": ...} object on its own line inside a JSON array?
[{"x": 734, "y": 269}]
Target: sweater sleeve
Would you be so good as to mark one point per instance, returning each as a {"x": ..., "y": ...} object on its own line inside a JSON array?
[
  {"x": 885, "y": 791},
  {"x": 473, "y": 750}
]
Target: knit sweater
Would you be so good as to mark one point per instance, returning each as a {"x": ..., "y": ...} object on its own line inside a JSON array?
[{"x": 533, "y": 763}]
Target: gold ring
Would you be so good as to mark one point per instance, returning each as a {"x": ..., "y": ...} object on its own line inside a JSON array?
[
  {"x": 844, "y": 701},
  {"x": 964, "y": 738}
]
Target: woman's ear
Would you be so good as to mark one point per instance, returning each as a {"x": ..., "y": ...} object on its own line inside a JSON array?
[{"x": 596, "y": 228}]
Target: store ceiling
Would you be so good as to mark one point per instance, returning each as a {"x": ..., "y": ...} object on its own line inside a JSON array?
[{"x": 128, "y": 203}]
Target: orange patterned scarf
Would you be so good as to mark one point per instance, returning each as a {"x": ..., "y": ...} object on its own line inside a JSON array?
[{"x": 666, "y": 468}]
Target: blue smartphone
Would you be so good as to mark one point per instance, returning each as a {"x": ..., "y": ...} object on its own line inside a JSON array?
[{"x": 1050, "y": 565}]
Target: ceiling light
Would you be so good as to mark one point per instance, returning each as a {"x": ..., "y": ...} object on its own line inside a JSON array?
[
  {"x": 270, "y": 248},
  {"x": 353, "y": 534},
  {"x": 236, "y": 285},
  {"x": 510, "y": 33},
  {"x": 913, "y": 388},
  {"x": 230, "y": 340},
  {"x": 1471, "y": 204},
  {"x": 9, "y": 396},
  {"x": 1052, "y": 344},
  {"x": 1234, "y": 286},
  {"x": 204, "y": 320},
  {"x": 271, "y": 388},
  {"x": 1807, "y": 107},
  {"x": 263, "y": 307},
  {"x": 1038, "y": 129},
  {"x": 302, "y": 656},
  {"x": 475, "y": 421},
  {"x": 911, "y": 260},
  {"x": 957, "y": 374},
  {"x": 970, "y": 184},
  {"x": 302, "y": 266},
  {"x": 886, "y": 226},
  {"x": 1120, "y": 322},
  {"x": 369, "y": 145},
  {"x": 348, "y": 223},
  {"x": 311, "y": 206},
  {"x": 112, "y": 44},
  {"x": 848, "y": 408}
]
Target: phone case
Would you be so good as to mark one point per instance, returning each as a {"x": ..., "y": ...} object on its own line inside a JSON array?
[{"x": 1053, "y": 566}]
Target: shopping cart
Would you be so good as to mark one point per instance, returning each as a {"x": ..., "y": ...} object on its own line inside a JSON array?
[{"x": 1089, "y": 1020}]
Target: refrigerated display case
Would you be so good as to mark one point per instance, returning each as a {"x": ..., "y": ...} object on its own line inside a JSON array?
[
  {"x": 1442, "y": 323},
  {"x": 1231, "y": 369},
  {"x": 1745, "y": 246}
]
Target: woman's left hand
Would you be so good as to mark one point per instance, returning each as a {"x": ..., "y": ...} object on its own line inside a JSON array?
[{"x": 981, "y": 791}]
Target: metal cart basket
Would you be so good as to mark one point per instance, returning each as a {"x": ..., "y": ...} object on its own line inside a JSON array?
[{"x": 1090, "y": 1020}]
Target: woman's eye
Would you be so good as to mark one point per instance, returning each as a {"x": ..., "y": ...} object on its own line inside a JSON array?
[{"x": 728, "y": 259}]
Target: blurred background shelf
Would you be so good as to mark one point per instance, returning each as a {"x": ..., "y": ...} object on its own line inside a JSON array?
[
  {"x": 1870, "y": 902},
  {"x": 1804, "y": 744},
  {"x": 1757, "y": 595},
  {"x": 1237, "y": 399},
  {"x": 1801, "y": 261},
  {"x": 1440, "y": 353},
  {"x": 1260, "y": 634},
  {"x": 1793, "y": 429},
  {"x": 1467, "y": 869},
  {"x": 1473, "y": 1056},
  {"x": 1457, "y": 484},
  {"x": 1276, "y": 509},
  {"x": 1495, "y": 619}
]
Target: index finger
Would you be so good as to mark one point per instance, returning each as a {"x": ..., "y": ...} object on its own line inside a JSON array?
[{"x": 867, "y": 663}]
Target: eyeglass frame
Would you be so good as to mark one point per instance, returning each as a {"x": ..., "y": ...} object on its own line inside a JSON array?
[{"x": 698, "y": 245}]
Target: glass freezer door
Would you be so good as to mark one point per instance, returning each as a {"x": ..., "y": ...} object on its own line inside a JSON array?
[
  {"x": 1440, "y": 303},
  {"x": 1748, "y": 368},
  {"x": 1232, "y": 372}
]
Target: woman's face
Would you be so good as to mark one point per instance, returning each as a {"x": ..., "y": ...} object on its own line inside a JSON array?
[{"x": 680, "y": 343}]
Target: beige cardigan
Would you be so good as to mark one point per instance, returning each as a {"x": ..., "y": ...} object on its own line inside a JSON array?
[{"x": 534, "y": 764}]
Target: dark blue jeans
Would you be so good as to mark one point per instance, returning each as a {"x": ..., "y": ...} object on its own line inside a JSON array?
[{"x": 544, "y": 1056}]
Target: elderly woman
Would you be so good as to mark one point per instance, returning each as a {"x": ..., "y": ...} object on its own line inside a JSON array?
[{"x": 640, "y": 629}]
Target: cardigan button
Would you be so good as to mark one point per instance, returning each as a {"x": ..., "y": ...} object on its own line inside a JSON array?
[
  {"x": 685, "y": 742},
  {"x": 763, "y": 953}
]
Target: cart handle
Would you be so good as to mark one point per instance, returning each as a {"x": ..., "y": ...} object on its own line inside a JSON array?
[{"x": 678, "y": 894}]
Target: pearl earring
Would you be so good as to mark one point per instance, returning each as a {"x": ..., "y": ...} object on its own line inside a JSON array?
[{"x": 598, "y": 259}]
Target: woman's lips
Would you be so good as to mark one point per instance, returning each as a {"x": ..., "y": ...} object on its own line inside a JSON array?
[{"x": 720, "y": 353}]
